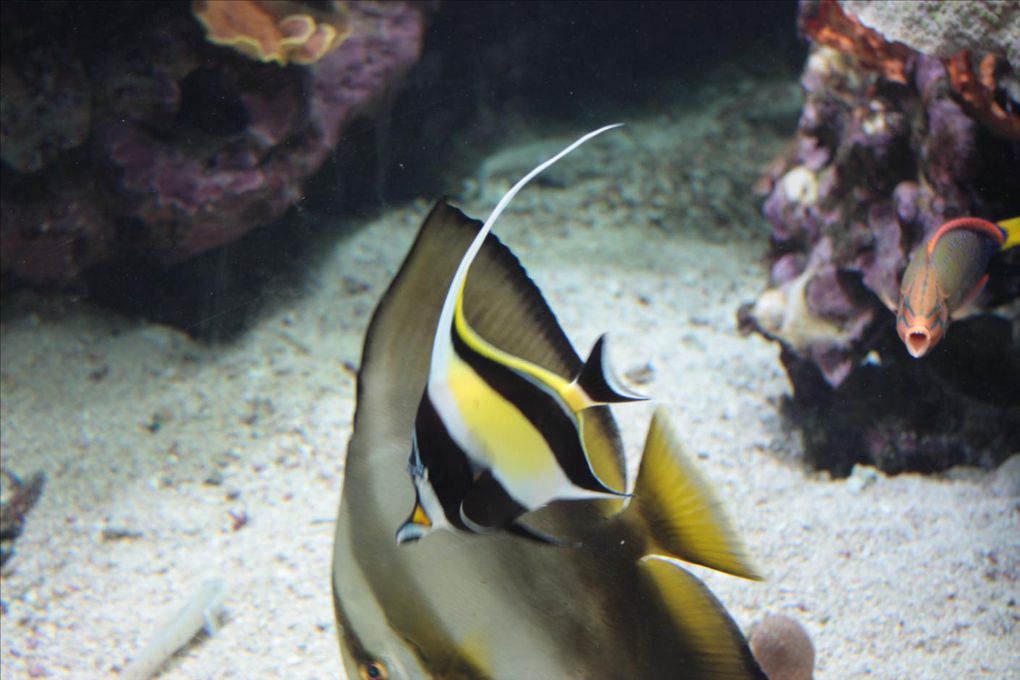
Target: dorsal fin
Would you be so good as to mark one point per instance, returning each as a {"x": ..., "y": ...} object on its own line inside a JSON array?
[
  {"x": 504, "y": 306},
  {"x": 975, "y": 224},
  {"x": 453, "y": 294}
]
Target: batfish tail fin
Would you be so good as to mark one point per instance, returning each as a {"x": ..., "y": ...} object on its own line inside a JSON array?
[
  {"x": 718, "y": 648},
  {"x": 598, "y": 380},
  {"x": 1011, "y": 227},
  {"x": 675, "y": 507}
]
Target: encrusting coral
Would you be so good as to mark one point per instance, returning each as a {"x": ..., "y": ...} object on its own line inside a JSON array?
[
  {"x": 272, "y": 31},
  {"x": 888, "y": 148},
  {"x": 977, "y": 93},
  {"x": 827, "y": 24}
]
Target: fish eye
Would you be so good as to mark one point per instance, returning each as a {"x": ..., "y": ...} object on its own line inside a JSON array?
[{"x": 375, "y": 670}]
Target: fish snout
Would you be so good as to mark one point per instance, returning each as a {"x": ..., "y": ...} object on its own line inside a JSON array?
[{"x": 918, "y": 340}]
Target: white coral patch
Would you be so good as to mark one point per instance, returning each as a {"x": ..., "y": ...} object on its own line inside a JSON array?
[
  {"x": 784, "y": 313},
  {"x": 875, "y": 122},
  {"x": 800, "y": 185}
]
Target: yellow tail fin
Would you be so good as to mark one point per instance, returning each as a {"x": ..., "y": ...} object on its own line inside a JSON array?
[
  {"x": 677, "y": 509},
  {"x": 1012, "y": 229}
]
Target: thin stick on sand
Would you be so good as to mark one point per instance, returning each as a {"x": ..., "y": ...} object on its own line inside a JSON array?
[{"x": 201, "y": 612}]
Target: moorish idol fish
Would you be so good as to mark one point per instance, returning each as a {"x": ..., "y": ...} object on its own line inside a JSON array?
[
  {"x": 613, "y": 602},
  {"x": 946, "y": 273},
  {"x": 496, "y": 435}
]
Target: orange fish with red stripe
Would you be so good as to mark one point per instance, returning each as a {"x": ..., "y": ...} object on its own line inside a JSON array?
[{"x": 945, "y": 275}]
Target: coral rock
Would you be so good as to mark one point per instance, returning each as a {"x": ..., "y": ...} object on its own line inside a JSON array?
[
  {"x": 941, "y": 29},
  {"x": 45, "y": 99},
  {"x": 189, "y": 144},
  {"x": 885, "y": 153},
  {"x": 826, "y": 23}
]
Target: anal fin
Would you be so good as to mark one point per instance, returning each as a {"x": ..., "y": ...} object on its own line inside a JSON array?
[
  {"x": 518, "y": 529},
  {"x": 488, "y": 506},
  {"x": 719, "y": 649}
]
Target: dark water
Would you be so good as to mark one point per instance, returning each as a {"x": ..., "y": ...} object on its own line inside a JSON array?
[{"x": 488, "y": 73}]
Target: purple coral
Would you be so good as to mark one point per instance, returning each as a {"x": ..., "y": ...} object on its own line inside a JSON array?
[{"x": 189, "y": 145}]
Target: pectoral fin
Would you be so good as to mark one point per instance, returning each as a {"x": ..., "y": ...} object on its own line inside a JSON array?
[
  {"x": 888, "y": 302},
  {"x": 967, "y": 307},
  {"x": 416, "y": 526},
  {"x": 677, "y": 509}
]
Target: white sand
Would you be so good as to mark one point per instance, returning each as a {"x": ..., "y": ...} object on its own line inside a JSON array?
[{"x": 906, "y": 577}]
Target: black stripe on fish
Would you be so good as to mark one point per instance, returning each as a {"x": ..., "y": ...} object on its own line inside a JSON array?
[
  {"x": 546, "y": 413},
  {"x": 449, "y": 469},
  {"x": 488, "y": 506},
  {"x": 482, "y": 500}
]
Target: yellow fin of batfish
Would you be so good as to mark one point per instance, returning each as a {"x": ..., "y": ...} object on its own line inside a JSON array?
[
  {"x": 1012, "y": 229},
  {"x": 718, "y": 649},
  {"x": 678, "y": 508}
]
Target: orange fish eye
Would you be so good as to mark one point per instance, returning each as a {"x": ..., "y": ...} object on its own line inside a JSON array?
[{"x": 375, "y": 670}]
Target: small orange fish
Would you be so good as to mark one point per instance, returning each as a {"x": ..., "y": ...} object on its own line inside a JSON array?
[{"x": 946, "y": 274}]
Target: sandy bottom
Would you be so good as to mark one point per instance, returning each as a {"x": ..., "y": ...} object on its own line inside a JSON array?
[{"x": 171, "y": 462}]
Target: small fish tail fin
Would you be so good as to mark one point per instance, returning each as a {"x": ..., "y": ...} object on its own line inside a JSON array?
[
  {"x": 718, "y": 648},
  {"x": 599, "y": 382},
  {"x": 676, "y": 508},
  {"x": 1011, "y": 229}
]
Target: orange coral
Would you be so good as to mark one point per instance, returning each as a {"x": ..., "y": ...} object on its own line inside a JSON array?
[
  {"x": 976, "y": 93},
  {"x": 827, "y": 24},
  {"x": 271, "y": 30}
]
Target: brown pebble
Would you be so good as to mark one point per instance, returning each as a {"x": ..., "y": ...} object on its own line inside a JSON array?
[{"x": 783, "y": 648}]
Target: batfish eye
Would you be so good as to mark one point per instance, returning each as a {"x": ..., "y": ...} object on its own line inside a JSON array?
[{"x": 375, "y": 670}]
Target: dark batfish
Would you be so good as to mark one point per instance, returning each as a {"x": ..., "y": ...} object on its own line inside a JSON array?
[{"x": 612, "y": 602}]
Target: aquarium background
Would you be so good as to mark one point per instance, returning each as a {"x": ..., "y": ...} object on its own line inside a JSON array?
[{"x": 193, "y": 242}]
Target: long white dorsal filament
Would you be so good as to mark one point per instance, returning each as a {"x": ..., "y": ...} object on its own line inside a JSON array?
[{"x": 439, "y": 350}]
